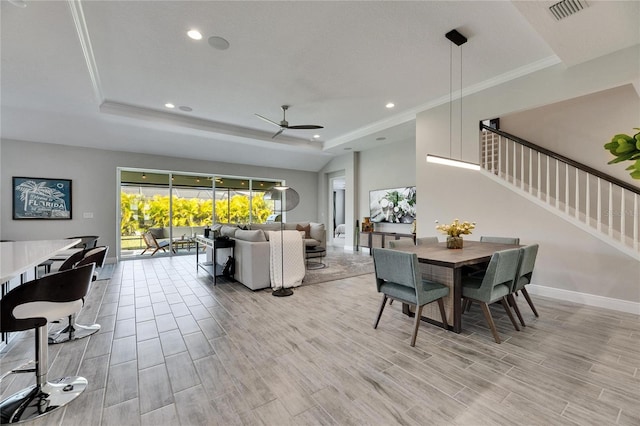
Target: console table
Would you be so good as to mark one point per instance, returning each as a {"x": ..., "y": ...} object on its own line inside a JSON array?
[
  {"x": 212, "y": 268},
  {"x": 378, "y": 239}
]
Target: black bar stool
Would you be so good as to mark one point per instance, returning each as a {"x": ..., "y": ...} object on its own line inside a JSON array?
[
  {"x": 31, "y": 306},
  {"x": 73, "y": 330}
]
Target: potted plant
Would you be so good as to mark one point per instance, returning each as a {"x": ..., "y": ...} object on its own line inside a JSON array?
[
  {"x": 454, "y": 232},
  {"x": 626, "y": 148}
]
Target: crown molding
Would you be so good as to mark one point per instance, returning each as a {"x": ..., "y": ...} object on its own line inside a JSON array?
[{"x": 87, "y": 50}]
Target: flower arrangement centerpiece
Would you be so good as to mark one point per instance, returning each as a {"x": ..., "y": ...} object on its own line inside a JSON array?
[{"x": 454, "y": 232}]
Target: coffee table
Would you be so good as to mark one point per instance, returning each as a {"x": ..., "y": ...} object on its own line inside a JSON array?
[
  {"x": 319, "y": 253},
  {"x": 183, "y": 242}
]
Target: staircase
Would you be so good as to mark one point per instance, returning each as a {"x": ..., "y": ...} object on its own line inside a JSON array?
[{"x": 602, "y": 205}]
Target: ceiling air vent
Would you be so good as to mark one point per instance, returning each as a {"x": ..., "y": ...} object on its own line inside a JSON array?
[{"x": 566, "y": 8}]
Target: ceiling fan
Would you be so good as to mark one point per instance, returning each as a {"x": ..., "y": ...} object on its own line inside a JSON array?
[{"x": 284, "y": 124}]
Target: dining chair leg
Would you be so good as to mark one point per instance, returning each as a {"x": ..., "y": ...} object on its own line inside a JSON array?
[
  {"x": 468, "y": 305},
  {"x": 514, "y": 305},
  {"x": 529, "y": 301},
  {"x": 384, "y": 300},
  {"x": 416, "y": 324},
  {"x": 443, "y": 313},
  {"x": 508, "y": 311},
  {"x": 489, "y": 318}
]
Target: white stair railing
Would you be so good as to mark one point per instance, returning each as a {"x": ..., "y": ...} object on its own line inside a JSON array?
[{"x": 603, "y": 205}]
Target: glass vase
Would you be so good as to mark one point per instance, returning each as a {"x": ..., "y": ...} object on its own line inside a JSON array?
[{"x": 454, "y": 242}]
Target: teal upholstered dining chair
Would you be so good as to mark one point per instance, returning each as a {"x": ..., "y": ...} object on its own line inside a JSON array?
[
  {"x": 398, "y": 278},
  {"x": 423, "y": 241},
  {"x": 398, "y": 244},
  {"x": 495, "y": 286},
  {"x": 523, "y": 277},
  {"x": 500, "y": 240}
]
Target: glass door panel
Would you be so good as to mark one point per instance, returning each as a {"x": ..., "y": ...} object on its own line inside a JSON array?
[
  {"x": 144, "y": 206},
  {"x": 192, "y": 210}
]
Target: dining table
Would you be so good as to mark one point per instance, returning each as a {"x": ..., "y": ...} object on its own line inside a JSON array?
[{"x": 445, "y": 266}]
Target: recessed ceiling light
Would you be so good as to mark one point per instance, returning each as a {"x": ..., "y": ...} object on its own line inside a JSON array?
[
  {"x": 390, "y": 105},
  {"x": 194, "y": 34},
  {"x": 381, "y": 138},
  {"x": 169, "y": 105},
  {"x": 185, "y": 108},
  {"x": 218, "y": 43},
  {"x": 316, "y": 136}
]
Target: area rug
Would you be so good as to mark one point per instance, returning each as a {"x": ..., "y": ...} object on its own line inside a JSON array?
[{"x": 340, "y": 264}]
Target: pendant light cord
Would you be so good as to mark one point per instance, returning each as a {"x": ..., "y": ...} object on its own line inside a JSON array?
[
  {"x": 460, "y": 102},
  {"x": 450, "y": 97}
]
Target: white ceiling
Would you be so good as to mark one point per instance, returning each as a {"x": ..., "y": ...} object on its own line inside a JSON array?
[{"x": 98, "y": 73}]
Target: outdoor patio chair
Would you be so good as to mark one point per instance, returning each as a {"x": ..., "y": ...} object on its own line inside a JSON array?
[{"x": 152, "y": 244}]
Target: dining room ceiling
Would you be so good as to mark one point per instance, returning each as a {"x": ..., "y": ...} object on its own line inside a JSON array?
[{"x": 99, "y": 73}]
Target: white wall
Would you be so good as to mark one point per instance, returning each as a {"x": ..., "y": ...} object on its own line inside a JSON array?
[
  {"x": 568, "y": 258},
  {"x": 94, "y": 180},
  {"x": 387, "y": 166},
  {"x": 560, "y": 127}
]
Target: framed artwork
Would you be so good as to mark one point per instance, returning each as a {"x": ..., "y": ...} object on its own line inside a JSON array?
[
  {"x": 41, "y": 198},
  {"x": 394, "y": 205}
]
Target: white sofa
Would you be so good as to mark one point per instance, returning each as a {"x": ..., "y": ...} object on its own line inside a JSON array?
[{"x": 252, "y": 251}]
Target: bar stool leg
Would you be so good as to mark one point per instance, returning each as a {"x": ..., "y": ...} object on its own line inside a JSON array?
[
  {"x": 73, "y": 331},
  {"x": 45, "y": 396}
]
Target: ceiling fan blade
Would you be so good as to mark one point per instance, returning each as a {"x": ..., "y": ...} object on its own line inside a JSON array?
[
  {"x": 306, "y": 126},
  {"x": 267, "y": 120},
  {"x": 278, "y": 132}
]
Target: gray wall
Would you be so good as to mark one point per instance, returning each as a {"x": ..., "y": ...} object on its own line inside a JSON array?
[
  {"x": 386, "y": 166},
  {"x": 569, "y": 258},
  {"x": 94, "y": 182}
]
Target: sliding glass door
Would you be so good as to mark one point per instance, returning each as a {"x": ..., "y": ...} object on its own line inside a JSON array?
[{"x": 166, "y": 209}]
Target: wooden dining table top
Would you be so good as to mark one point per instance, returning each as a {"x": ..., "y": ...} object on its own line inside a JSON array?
[{"x": 472, "y": 253}]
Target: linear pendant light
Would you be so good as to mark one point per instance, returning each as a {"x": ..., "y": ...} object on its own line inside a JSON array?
[{"x": 455, "y": 37}]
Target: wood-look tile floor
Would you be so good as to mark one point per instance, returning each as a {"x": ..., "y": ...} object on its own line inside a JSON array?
[{"x": 174, "y": 350}]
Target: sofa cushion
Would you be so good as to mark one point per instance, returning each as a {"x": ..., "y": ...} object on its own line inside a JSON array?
[
  {"x": 317, "y": 231},
  {"x": 310, "y": 242},
  {"x": 250, "y": 235},
  {"x": 228, "y": 231},
  {"x": 266, "y": 226},
  {"x": 306, "y": 229}
]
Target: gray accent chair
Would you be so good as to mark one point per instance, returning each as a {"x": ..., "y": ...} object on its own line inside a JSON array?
[
  {"x": 523, "y": 277},
  {"x": 398, "y": 244},
  {"x": 423, "y": 241},
  {"x": 398, "y": 278},
  {"x": 495, "y": 286},
  {"x": 500, "y": 240}
]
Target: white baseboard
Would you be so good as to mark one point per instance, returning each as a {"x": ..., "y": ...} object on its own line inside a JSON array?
[{"x": 586, "y": 299}]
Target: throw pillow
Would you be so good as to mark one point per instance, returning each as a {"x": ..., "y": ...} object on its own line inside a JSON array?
[
  {"x": 317, "y": 231},
  {"x": 305, "y": 229},
  {"x": 228, "y": 231}
]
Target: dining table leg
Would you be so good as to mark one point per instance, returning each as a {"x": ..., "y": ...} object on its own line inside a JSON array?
[{"x": 457, "y": 300}]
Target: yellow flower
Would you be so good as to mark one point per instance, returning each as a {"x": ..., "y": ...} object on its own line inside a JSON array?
[{"x": 455, "y": 229}]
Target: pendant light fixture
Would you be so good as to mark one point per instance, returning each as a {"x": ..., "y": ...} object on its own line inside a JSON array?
[{"x": 454, "y": 37}]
